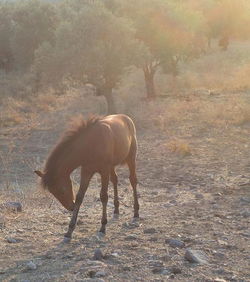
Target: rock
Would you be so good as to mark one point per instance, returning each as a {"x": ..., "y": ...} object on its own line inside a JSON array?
[
  {"x": 100, "y": 273},
  {"x": 165, "y": 258},
  {"x": 219, "y": 280},
  {"x": 130, "y": 225},
  {"x": 2, "y": 271},
  {"x": 245, "y": 214},
  {"x": 91, "y": 280},
  {"x": 196, "y": 256},
  {"x": 31, "y": 265},
  {"x": 131, "y": 237},
  {"x": 175, "y": 270},
  {"x": 174, "y": 243},
  {"x": 2, "y": 222},
  {"x": 199, "y": 196},
  {"x": 149, "y": 231},
  {"x": 165, "y": 272},
  {"x": 153, "y": 239},
  {"x": 155, "y": 263},
  {"x": 245, "y": 200},
  {"x": 218, "y": 255},
  {"x": 13, "y": 206},
  {"x": 126, "y": 268},
  {"x": 11, "y": 240},
  {"x": 98, "y": 255},
  {"x": 157, "y": 270}
]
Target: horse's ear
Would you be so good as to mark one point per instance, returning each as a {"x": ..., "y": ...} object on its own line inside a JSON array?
[{"x": 39, "y": 173}]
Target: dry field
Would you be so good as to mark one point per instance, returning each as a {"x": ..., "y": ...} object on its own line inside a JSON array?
[{"x": 194, "y": 173}]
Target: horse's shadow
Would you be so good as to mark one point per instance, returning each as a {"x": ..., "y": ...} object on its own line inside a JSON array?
[{"x": 45, "y": 263}]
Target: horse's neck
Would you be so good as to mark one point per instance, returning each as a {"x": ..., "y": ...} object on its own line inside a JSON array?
[{"x": 69, "y": 163}]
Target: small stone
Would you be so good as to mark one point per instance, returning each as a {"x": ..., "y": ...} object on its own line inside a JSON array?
[
  {"x": 157, "y": 270},
  {"x": 31, "y": 265},
  {"x": 130, "y": 225},
  {"x": 11, "y": 240},
  {"x": 2, "y": 222},
  {"x": 165, "y": 272},
  {"x": 149, "y": 231},
  {"x": 218, "y": 255},
  {"x": 196, "y": 256},
  {"x": 20, "y": 231},
  {"x": 175, "y": 270},
  {"x": 165, "y": 258},
  {"x": 174, "y": 243},
  {"x": 98, "y": 255},
  {"x": 219, "y": 280},
  {"x": 155, "y": 263},
  {"x": 199, "y": 196},
  {"x": 245, "y": 214},
  {"x": 126, "y": 268},
  {"x": 13, "y": 206},
  {"x": 131, "y": 237},
  {"x": 100, "y": 273},
  {"x": 153, "y": 239},
  {"x": 245, "y": 200},
  {"x": 91, "y": 280}
]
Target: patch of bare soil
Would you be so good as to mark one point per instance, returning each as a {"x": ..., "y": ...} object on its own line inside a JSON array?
[{"x": 200, "y": 199}]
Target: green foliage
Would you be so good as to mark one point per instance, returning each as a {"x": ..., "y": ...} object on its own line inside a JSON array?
[
  {"x": 34, "y": 22},
  {"x": 5, "y": 36},
  {"x": 91, "y": 45},
  {"x": 229, "y": 18},
  {"x": 169, "y": 29},
  {"x": 97, "y": 41}
]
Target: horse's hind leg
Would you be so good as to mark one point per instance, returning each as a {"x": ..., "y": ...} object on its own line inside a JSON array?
[
  {"x": 104, "y": 198},
  {"x": 114, "y": 180},
  {"x": 133, "y": 179}
]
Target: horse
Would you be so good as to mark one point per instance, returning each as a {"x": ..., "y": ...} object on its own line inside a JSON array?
[{"x": 97, "y": 145}]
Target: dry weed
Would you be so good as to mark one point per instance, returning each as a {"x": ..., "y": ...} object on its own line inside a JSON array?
[
  {"x": 180, "y": 147},
  {"x": 233, "y": 111}
]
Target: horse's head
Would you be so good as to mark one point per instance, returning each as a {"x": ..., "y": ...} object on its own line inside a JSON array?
[{"x": 61, "y": 189}]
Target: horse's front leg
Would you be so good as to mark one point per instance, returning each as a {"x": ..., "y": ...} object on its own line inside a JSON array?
[
  {"x": 104, "y": 198},
  {"x": 85, "y": 179}
]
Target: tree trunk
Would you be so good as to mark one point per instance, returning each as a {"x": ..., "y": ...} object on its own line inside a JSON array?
[
  {"x": 149, "y": 82},
  {"x": 110, "y": 102},
  {"x": 224, "y": 42},
  {"x": 209, "y": 42}
]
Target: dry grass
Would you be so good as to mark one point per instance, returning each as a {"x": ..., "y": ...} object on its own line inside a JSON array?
[
  {"x": 180, "y": 147},
  {"x": 220, "y": 71}
]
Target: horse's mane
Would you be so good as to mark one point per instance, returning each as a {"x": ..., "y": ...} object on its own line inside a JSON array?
[{"x": 78, "y": 126}]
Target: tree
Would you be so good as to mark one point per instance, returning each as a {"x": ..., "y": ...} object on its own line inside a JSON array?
[
  {"x": 6, "y": 53},
  {"x": 92, "y": 46},
  {"x": 170, "y": 30},
  {"x": 34, "y": 22},
  {"x": 227, "y": 20}
]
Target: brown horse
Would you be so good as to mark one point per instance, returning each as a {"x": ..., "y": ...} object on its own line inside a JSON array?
[{"x": 96, "y": 145}]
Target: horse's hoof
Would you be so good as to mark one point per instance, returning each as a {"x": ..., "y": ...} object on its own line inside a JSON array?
[
  {"x": 66, "y": 240},
  {"x": 100, "y": 235},
  {"x": 115, "y": 216},
  {"x": 135, "y": 219}
]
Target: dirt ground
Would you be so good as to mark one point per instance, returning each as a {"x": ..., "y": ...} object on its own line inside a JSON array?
[{"x": 197, "y": 193}]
